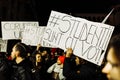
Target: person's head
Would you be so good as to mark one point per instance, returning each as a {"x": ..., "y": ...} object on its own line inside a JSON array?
[
  {"x": 60, "y": 60},
  {"x": 44, "y": 53},
  {"x": 29, "y": 50},
  {"x": 112, "y": 68},
  {"x": 38, "y": 57},
  {"x": 19, "y": 50}
]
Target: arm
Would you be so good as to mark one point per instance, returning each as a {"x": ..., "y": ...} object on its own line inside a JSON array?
[
  {"x": 38, "y": 47},
  {"x": 69, "y": 64},
  {"x": 51, "y": 68}
]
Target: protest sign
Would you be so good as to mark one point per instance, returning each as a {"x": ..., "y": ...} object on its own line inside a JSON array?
[
  {"x": 89, "y": 40},
  {"x": 33, "y": 36},
  {"x": 3, "y": 45},
  {"x": 14, "y": 29}
]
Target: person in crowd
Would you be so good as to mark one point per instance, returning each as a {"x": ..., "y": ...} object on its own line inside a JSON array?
[
  {"x": 21, "y": 69},
  {"x": 53, "y": 57},
  {"x": 76, "y": 68},
  {"x": 112, "y": 67},
  {"x": 45, "y": 53},
  {"x": 39, "y": 71},
  {"x": 56, "y": 69},
  {"x": 100, "y": 75},
  {"x": 55, "y": 52},
  {"x": 4, "y": 67}
]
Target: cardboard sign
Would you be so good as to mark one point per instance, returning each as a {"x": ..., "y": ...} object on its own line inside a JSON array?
[
  {"x": 3, "y": 45},
  {"x": 33, "y": 36},
  {"x": 14, "y": 29},
  {"x": 89, "y": 40}
]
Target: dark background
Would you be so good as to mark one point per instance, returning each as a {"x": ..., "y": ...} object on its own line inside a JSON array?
[{"x": 39, "y": 10}]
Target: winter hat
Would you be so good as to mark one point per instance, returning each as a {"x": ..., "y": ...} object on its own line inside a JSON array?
[{"x": 61, "y": 58}]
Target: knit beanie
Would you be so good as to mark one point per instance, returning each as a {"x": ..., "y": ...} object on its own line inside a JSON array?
[{"x": 61, "y": 58}]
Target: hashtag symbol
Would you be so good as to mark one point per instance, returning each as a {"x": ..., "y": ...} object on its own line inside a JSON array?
[{"x": 54, "y": 20}]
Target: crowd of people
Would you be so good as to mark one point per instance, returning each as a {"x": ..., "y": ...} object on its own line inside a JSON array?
[{"x": 57, "y": 64}]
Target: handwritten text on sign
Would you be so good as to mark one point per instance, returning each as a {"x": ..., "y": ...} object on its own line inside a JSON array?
[
  {"x": 88, "y": 39},
  {"x": 33, "y": 36},
  {"x": 14, "y": 29}
]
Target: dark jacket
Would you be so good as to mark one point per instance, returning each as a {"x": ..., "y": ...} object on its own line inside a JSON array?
[
  {"x": 80, "y": 72},
  {"x": 21, "y": 71},
  {"x": 39, "y": 72},
  {"x": 4, "y": 69}
]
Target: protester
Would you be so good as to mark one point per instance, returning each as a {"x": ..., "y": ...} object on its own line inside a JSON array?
[
  {"x": 56, "y": 69},
  {"x": 112, "y": 67},
  {"x": 75, "y": 68},
  {"x": 20, "y": 67},
  {"x": 45, "y": 53},
  {"x": 39, "y": 71},
  {"x": 4, "y": 66}
]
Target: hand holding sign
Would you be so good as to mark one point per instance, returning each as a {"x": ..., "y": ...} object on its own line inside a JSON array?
[
  {"x": 38, "y": 47},
  {"x": 69, "y": 52}
]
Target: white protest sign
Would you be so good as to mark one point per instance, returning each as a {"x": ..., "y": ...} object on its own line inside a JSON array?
[
  {"x": 33, "y": 36},
  {"x": 14, "y": 29},
  {"x": 3, "y": 45},
  {"x": 89, "y": 40},
  {"x": 45, "y": 44}
]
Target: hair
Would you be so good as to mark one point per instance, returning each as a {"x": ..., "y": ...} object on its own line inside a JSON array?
[
  {"x": 115, "y": 43},
  {"x": 37, "y": 52},
  {"x": 22, "y": 48}
]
